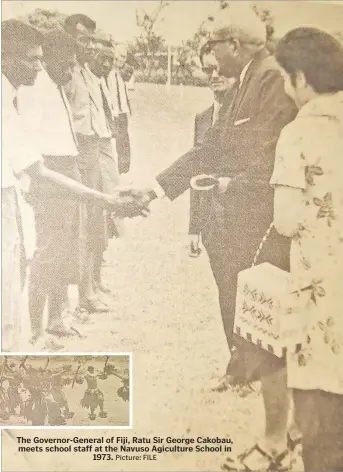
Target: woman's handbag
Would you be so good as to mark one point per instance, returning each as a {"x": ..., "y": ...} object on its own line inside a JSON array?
[{"x": 270, "y": 309}]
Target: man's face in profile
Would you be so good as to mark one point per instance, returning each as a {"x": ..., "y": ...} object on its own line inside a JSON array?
[
  {"x": 25, "y": 65},
  {"x": 60, "y": 66},
  {"x": 217, "y": 82},
  {"x": 121, "y": 56},
  {"x": 227, "y": 55}
]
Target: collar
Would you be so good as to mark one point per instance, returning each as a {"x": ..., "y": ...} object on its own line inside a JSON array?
[
  {"x": 243, "y": 74},
  {"x": 324, "y": 105},
  {"x": 95, "y": 78},
  {"x": 216, "y": 104},
  {"x": 10, "y": 90}
]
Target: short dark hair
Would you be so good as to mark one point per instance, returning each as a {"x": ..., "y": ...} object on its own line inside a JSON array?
[
  {"x": 18, "y": 37},
  {"x": 317, "y": 54},
  {"x": 58, "y": 42},
  {"x": 70, "y": 23},
  {"x": 205, "y": 49}
]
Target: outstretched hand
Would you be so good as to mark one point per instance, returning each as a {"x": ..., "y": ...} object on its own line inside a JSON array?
[
  {"x": 126, "y": 206},
  {"x": 144, "y": 196}
]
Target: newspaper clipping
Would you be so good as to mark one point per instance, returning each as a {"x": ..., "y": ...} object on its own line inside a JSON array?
[{"x": 172, "y": 236}]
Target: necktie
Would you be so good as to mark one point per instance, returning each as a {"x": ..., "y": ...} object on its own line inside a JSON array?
[
  {"x": 118, "y": 94},
  {"x": 71, "y": 126},
  {"x": 106, "y": 106},
  {"x": 127, "y": 99}
]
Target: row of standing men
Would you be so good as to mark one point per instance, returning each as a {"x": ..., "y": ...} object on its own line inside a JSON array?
[{"x": 63, "y": 115}]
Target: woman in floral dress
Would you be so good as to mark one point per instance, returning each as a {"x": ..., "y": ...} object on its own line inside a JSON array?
[{"x": 308, "y": 206}]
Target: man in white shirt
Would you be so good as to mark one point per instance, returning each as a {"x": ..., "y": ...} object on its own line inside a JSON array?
[
  {"x": 18, "y": 157},
  {"x": 21, "y": 62}
]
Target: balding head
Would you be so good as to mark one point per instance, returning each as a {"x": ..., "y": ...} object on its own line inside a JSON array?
[
  {"x": 238, "y": 35},
  {"x": 239, "y": 22}
]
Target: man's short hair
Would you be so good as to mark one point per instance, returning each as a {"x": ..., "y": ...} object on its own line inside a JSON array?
[
  {"x": 103, "y": 38},
  {"x": 317, "y": 54},
  {"x": 70, "y": 23},
  {"x": 204, "y": 51},
  {"x": 18, "y": 37},
  {"x": 58, "y": 42}
]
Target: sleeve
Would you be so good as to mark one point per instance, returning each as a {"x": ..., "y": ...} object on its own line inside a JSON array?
[
  {"x": 275, "y": 110},
  {"x": 19, "y": 145},
  {"x": 202, "y": 159},
  {"x": 194, "y": 203},
  {"x": 290, "y": 161},
  {"x": 195, "y": 130}
]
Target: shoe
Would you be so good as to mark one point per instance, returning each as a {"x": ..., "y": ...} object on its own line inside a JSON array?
[
  {"x": 94, "y": 306},
  {"x": 102, "y": 288},
  {"x": 61, "y": 331}
]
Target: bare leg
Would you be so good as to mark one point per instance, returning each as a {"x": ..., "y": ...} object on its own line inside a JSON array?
[
  {"x": 86, "y": 286},
  {"x": 87, "y": 295},
  {"x": 55, "y": 307},
  {"x": 37, "y": 300},
  {"x": 92, "y": 415},
  {"x": 102, "y": 413},
  {"x": 277, "y": 402}
]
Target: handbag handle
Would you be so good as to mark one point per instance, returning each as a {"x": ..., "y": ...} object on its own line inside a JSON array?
[{"x": 262, "y": 243}]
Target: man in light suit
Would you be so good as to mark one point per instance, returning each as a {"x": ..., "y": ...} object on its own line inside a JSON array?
[
  {"x": 92, "y": 114},
  {"x": 240, "y": 150},
  {"x": 200, "y": 204}
]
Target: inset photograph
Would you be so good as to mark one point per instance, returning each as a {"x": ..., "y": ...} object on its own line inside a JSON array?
[{"x": 65, "y": 390}]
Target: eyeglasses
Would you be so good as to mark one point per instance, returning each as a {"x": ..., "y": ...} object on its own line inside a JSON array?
[
  {"x": 213, "y": 42},
  {"x": 210, "y": 69}
]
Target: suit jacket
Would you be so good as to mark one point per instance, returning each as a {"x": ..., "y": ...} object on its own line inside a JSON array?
[
  {"x": 203, "y": 122},
  {"x": 241, "y": 145},
  {"x": 87, "y": 106}
]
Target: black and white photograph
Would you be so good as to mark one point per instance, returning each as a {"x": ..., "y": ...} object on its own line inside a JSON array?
[
  {"x": 172, "y": 188},
  {"x": 65, "y": 390}
]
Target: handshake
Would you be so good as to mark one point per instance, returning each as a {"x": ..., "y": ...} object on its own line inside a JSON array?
[{"x": 130, "y": 203}]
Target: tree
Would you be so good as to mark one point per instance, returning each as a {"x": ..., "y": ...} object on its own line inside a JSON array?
[
  {"x": 149, "y": 44},
  {"x": 188, "y": 53},
  {"x": 267, "y": 18},
  {"x": 339, "y": 36},
  {"x": 45, "y": 20}
]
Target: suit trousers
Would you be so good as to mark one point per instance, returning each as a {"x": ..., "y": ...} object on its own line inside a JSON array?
[
  {"x": 13, "y": 271},
  {"x": 231, "y": 238},
  {"x": 89, "y": 167},
  {"x": 123, "y": 143},
  {"x": 58, "y": 260}
]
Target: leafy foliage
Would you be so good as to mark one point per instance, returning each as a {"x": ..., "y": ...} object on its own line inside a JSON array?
[{"x": 45, "y": 20}]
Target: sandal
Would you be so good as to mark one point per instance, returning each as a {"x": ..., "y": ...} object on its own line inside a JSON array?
[
  {"x": 61, "y": 331},
  {"x": 266, "y": 462},
  {"x": 81, "y": 315},
  {"x": 232, "y": 383},
  {"x": 94, "y": 306}
]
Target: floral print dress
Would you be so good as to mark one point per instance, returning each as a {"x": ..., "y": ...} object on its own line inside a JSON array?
[{"x": 309, "y": 157}]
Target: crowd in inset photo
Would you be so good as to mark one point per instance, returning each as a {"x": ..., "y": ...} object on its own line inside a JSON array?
[{"x": 269, "y": 153}]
